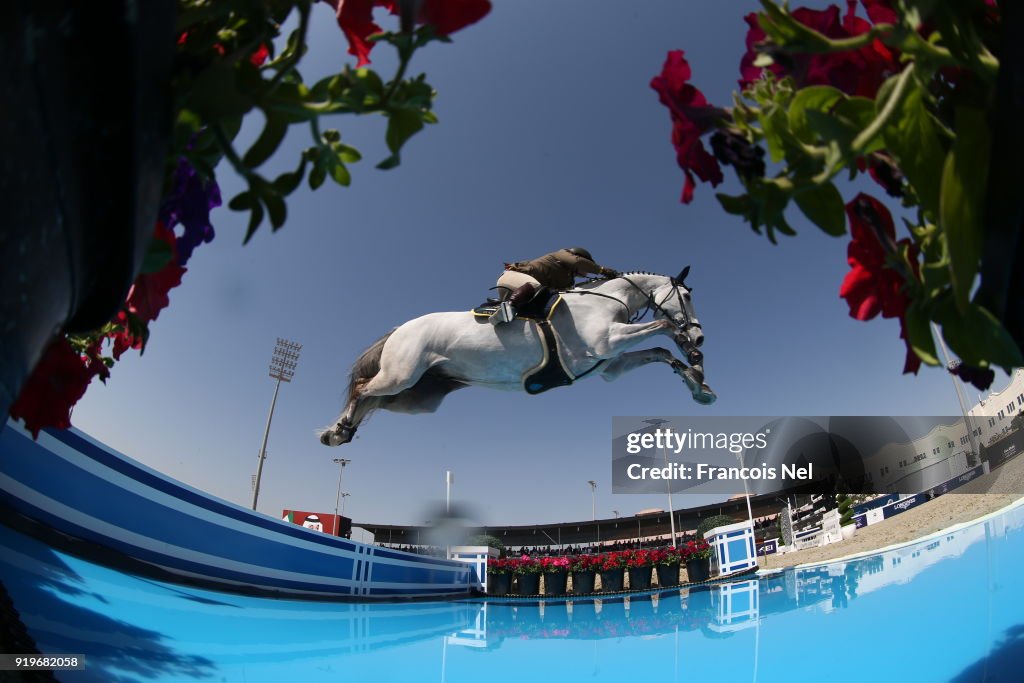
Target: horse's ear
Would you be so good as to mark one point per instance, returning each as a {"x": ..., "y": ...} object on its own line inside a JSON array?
[{"x": 681, "y": 278}]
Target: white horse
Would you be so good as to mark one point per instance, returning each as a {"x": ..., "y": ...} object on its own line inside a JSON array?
[{"x": 413, "y": 367}]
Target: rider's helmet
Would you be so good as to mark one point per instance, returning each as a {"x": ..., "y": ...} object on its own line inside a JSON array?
[{"x": 581, "y": 252}]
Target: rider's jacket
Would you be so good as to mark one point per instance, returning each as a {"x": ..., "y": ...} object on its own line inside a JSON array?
[{"x": 557, "y": 270}]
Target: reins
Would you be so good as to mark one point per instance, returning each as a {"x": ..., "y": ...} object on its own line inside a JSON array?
[{"x": 651, "y": 302}]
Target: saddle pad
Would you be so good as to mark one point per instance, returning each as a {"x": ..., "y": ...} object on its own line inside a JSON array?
[{"x": 550, "y": 373}]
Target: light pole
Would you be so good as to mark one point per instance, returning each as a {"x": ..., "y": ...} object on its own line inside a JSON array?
[
  {"x": 668, "y": 482},
  {"x": 282, "y": 368},
  {"x": 341, "y": 470},
  {"x": 344, "y": 495},
  {"x": 593, "y": 506},
  {"x": 449, "y": 479},
  {"x": 616, "y": 513},
  {"x": 950, "y": 366}
]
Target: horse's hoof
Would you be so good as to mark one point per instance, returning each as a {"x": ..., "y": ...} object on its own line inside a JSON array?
[
  {"x": 705, "y": 396},
  {"x": 692, "y": 378},
  {"x": 325, "y": 438}
]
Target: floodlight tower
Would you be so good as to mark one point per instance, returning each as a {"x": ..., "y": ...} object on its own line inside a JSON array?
[
  {"x": 593, "y": 506},
  {"x": 668, "y": 481},
  {"x": 282, "y": 368},
  {"x": 341, "y": 471}
]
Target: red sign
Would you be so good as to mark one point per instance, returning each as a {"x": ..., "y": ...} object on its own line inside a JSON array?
[{"x": 320, "y": 521}]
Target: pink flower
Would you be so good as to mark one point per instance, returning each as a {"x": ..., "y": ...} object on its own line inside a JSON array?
[{"x": 692, "y": 117}]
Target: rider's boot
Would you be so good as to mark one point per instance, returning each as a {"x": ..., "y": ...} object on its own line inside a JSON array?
[{"x": 507, "y": 309}]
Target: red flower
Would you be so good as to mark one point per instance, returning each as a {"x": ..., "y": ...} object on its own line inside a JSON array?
[
  {"x": 855, "y": 72},
  {"x": 148, "y": 295},
  {"x": 692, "y": 117},
  {"x": 355, "y": 17},
  {"x": 871, "y": 287},
  {"x": 258, "y": 57},
  {"x": 55, "y": 385}
]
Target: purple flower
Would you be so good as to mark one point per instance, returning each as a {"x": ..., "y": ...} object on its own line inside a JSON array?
[{"x": 188, "y": 204}]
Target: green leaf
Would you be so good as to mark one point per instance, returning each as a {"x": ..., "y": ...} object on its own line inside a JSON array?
[
  {"x": 402, "y": 125},
  {"x": 823, "y": 205},
  {"x": 962, "y": 202},
  {"x": 978, "y": 337},
  {"x": 276, "y": 209},
  {"x": 286, "y": 183},
  {"x": 317, "y": 177},
  {"x": 158, "y": 255},
  {"x": 348, "y": 155},
  {"x": 340, "y": 174},
  {"x": 819, "y": 98},
  {"x": 737, "y": 206},
  {"x": 916, "y": 142},
  {"x": 267, "y": 143},
  {"x": 242, "y": 201},
  {"x": 919, "y": 334},
  {"x": 255, "y": 218}
]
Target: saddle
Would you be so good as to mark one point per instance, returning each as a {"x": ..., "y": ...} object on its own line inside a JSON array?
[
  {"x": 539, "y": 308},
  {"x": 551, "y": 371}
]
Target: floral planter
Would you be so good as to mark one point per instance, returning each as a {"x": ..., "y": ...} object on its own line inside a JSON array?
[
  {"x": 499, "y": 584},
  {"x": 528, "y": 584},
  {"x": 554, "y": 583},
  {"x": 639, "y": 578},
  {"x": 611, "y": 579},
  {"x": 83, "y": 201},
  {"x": 668, "y": 574},
  {"x": 848, "y": 531},
  {"x": 583, "y": 582},
  {"x": 698, "y": 570}
]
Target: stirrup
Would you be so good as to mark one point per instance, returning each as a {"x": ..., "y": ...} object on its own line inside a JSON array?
[{"x": 505, "y": 313}]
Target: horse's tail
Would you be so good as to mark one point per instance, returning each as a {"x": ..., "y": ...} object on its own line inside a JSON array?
[{"x": 367, "y": 365}]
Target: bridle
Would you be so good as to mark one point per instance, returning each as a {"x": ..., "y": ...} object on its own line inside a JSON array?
[{"x": 651, "y": 304}]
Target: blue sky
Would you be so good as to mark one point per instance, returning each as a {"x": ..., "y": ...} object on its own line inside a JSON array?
[{"x": 549, "y": 136}]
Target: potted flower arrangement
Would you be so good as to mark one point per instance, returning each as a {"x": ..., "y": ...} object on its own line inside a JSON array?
[
  {"x": 698, "y": 561},
  {"x": 96, "y": 266},
  {"x": 666, "y": 566},
  {"x": 613, "y": 567},
  {"x": 640, "y": 564},
  {"x": 527, "y": 571},
  {"x": 556, "y": 574},
  {"x": 499, "y": 576},
  {"x": 583, "y": 568}
]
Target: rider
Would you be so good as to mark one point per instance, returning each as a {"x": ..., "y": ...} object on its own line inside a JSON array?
[{"x": 524, "y": 280}]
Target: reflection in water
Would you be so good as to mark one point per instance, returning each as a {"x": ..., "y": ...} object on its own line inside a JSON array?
[{"x": 759, "y": 629}]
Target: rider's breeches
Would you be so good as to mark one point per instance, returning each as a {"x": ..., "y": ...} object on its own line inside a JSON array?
[{"x": 511, "y": 280}]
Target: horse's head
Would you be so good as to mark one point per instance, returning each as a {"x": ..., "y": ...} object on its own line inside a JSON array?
[{"x": 675, "y": 302}]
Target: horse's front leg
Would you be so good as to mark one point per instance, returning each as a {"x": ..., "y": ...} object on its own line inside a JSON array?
[
  {"x": 631, "y": 360},
  {"x": 622, "y": 336}
]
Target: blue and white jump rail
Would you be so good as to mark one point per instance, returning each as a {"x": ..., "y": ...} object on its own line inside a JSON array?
[{"x": 124, "y": 513}]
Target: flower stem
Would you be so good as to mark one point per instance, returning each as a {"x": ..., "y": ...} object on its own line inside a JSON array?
[
  {"x": 300, "y": 46},
  {"x": 865, "y": 137},
  {"x": 229, "y": 152}
]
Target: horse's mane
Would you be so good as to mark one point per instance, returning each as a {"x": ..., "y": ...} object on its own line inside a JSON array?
[{"x": 597, "y": 282}]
